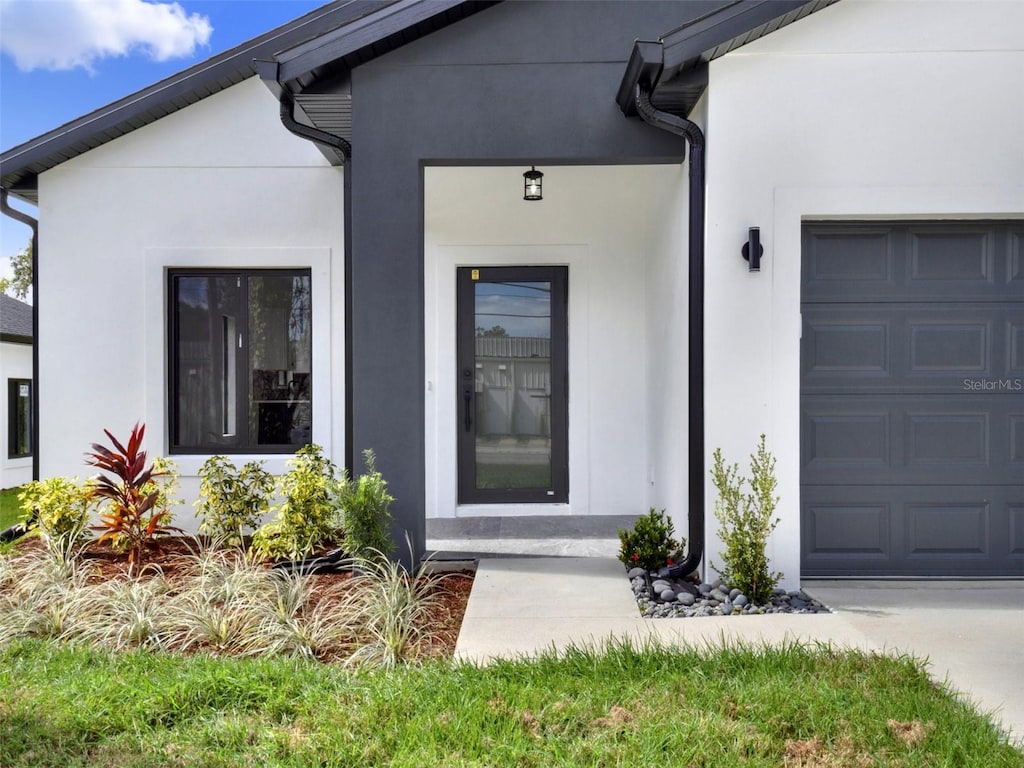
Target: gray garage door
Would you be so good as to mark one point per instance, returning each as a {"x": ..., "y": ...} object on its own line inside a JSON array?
[{"x": 912, "y": 399}]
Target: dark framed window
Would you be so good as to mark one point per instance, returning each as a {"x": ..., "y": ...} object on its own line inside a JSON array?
[
  {"x": 240, "y": 360},
  {"x": 19, "y": 418}
]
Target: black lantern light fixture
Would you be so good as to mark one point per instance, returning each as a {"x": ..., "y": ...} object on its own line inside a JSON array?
[
  {"x": 533, "y": 181},
  {"x": 753, "y": 250}
]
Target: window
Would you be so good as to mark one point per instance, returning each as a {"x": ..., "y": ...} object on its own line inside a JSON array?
[
  {"x": 19, "y": 418},
  {"x": 241, "y": 359}
]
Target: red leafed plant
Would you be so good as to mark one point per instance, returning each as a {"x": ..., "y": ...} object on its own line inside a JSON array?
[{"x": 131, "y": 518}]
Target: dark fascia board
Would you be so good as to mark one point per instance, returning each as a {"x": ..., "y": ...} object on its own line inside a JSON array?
[
  {"x": 644, "y": 68},
  {"x": 21, "y": 164},
  {"x": 398, "y": 17},
  {"x": 728, "y": 28},
  {"x": 682, "y": 54},
  {"x": 11, "y": 338}
]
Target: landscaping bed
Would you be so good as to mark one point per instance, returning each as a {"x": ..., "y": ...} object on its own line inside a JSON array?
[{"x": 189, "y": 597}]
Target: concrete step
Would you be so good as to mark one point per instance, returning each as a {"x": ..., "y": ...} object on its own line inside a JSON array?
[{"x": 470, "y": 538}]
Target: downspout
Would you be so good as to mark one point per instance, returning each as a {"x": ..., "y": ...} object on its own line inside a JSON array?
[
  {"x": 666, "y": 121},
  {"x": 270, "y": 71},
  {"x": 24, "y": 218}
]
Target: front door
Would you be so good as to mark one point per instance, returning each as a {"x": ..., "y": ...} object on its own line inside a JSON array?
[{"x": 512, "y": 351}]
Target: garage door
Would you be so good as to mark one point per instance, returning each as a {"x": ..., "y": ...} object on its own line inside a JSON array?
[{"x": 912, "y": 399}]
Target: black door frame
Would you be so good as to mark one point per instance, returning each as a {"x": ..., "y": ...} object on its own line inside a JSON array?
[{"x": 466, "y": 279}]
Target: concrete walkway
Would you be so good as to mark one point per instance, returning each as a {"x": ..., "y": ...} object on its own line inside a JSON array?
[{"x": 970, "y": 633}]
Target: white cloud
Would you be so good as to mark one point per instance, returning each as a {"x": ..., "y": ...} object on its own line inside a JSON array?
[{"x": 65, "y": 34}]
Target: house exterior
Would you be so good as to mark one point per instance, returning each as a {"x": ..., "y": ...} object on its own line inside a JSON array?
[
  {"x": 322, "y": 236},
  {"x": 16, "y": 378}
]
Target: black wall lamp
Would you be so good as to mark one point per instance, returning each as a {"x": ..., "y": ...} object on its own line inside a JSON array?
[
  {"x": 753, "y": 250},
  {"x": 533, "y": 181}
]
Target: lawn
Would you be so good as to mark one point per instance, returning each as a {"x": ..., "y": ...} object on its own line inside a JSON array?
[
  {"x": 10, "y": 509},
  {"x": 64, "y": 706}
]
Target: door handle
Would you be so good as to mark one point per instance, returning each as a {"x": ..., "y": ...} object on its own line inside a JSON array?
[{"x": 467, "y": 399}]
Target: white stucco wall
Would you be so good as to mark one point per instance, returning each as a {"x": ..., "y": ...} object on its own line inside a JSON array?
[
  {"x": 218, "y": 184},
  {"x": 866, "y": 109},
  {"x": 15, "y": 363},
  {"x": 600, "y": 222}
]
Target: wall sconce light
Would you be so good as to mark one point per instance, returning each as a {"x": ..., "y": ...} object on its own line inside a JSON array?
[
  {"x": 753, "y": 250},
  {"x": 532, "y": 184}
]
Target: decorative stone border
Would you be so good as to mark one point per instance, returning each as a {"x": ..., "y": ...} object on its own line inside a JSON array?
[{"x": 682, "y": 598}]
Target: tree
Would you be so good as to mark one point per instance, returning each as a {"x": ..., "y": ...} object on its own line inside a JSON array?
[{"x": 19, "y": 285}]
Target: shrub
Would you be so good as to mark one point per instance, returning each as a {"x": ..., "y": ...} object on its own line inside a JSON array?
[
  {"x": 231, "y": 500},
  {"x": 309, "y": 514},
  {"x": 746, "y": 521},
  {"x": 59, "y": 510},
  {"x": 367, "y": 509},
  {"x": 649, "y": 545},
  {"x": 134, "y": 514},
  {"x": 166, "y": 481}
]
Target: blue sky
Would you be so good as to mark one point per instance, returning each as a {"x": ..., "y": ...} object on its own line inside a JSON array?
[{"x": 60, "y": 59}]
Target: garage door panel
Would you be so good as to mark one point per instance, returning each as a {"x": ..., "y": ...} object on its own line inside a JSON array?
[
  {"x": 912, "y": 531},
  {"x": 904, "y": 348},
  {"x": 855, "y": 527},
  {"x": 1016, "y": 440},
  {"x": 943, "y": 261},
  {"x": 835, "y": 257},
  {"x": 949, "y": 528},
  {"x": 1016, "y": 259},
  {"x": 945, "y": 347},
  {"x": 940, "y": 253},
  {"x": 1016, "y": 523},
  {"x": 1015, "y": 353},
  {"x": 886, "y": 439},
  {"x": 852, "y": 344}
]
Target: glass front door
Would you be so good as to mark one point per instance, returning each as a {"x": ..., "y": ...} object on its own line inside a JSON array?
[{"x": 512, "y": 384}]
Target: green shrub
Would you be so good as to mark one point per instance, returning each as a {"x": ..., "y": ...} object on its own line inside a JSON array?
[
  {"x": 232, "y": 500},
  {"x": 367, "y": 508},
  {"x": 309, "y": 514},
  {"x": 649, "y": 545},
  {"x": 61, "y": 507},
  {"x": 746, "y": 521},
  {"x": 166, "y": 482}
]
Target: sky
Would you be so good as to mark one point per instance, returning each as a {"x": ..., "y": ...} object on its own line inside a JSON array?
[{"x": 60, "y": 59}]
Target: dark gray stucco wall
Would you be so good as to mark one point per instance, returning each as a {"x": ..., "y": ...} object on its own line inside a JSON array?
[{"x": 522, "y": 82}]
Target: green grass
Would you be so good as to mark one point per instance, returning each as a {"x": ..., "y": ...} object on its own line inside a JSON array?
[
  {"x": 64, "y": 707},
  {"x": 10, "y": 508}
]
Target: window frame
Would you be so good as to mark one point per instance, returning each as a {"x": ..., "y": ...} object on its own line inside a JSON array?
[
  {"x": 13, "y": 432},
  {"x": 243, "y": 385}
]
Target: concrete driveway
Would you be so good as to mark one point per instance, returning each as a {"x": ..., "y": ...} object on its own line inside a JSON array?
[{"x": 970, "y": 633}]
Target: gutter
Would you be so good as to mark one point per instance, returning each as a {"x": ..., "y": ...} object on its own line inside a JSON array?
[
  {"x": 270, "y": 73},
  {"x": 24, "y": 218},
  {"x": 642, "y": 74}
]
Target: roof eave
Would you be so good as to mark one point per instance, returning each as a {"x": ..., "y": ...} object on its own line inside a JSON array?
[
  {"x": 686, "y": 51},
  {"x": 20, "y": 165},
  {"x": 397, "y": 16}
]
